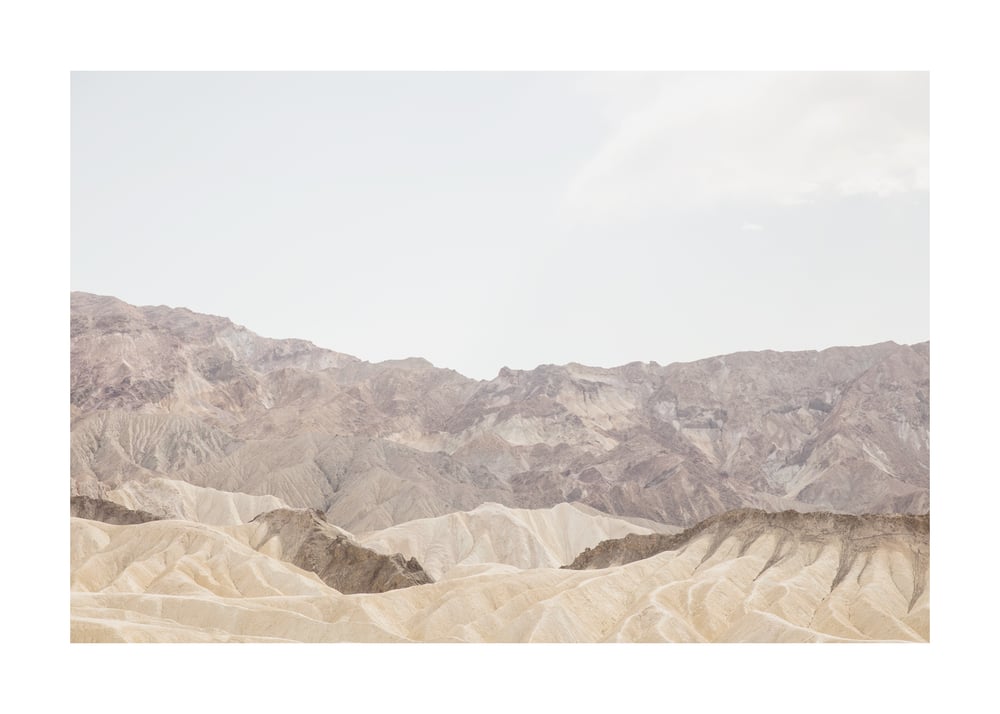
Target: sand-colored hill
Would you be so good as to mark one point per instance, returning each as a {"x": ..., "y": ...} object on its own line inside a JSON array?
[
  {"x": 292, "y": 537},
  {"x": 492, "y": 533},
  {"x": 175, "y": 581},
  {"x": 178, "y": 558},
  {"x": 170, "y": 498}
]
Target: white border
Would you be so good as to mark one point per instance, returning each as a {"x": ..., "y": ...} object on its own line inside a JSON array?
[{"x": 42, "y": 42}]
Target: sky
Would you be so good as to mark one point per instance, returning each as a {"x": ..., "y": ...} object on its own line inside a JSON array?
[{"x": 483, "y": 220}]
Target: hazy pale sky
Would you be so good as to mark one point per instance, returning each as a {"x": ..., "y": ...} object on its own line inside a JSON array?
[{"x": 483, "y": 220}]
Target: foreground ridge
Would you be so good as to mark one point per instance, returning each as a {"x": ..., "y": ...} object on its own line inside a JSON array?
[
  {"x": 857, "y": 536},
  {"x": 743, "y": 576}
]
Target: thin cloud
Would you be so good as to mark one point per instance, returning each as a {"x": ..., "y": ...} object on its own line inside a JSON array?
[
  {"x": 690, "y": 141},
  {"x": 752, "y": 227}
]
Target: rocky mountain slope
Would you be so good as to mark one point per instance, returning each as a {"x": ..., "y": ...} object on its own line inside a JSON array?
[
  {"x": 97, "y": 509},
  {"x": 306, "y": 540},
  {"x": 855, "y": 537},
  {"x": 161, "y": 393}
]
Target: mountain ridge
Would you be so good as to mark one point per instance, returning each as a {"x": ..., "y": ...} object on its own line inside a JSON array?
[
  {"x": 418, "y": 361},
  {"x": 167, "y": 393}
]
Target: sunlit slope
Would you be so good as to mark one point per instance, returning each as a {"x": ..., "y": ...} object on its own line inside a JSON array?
[
  {"x": 177, "y": 499},
  {"x": 492, "y": 533},
  {"x": 167, "y": 581}
]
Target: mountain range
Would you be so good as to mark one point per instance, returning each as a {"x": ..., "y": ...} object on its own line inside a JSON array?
[
  {"x": 231, "y": 487},
  {"x": 166, "y": 402}
]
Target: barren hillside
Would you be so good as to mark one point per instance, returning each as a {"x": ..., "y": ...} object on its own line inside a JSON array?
[{"x": 162, "y": 395}]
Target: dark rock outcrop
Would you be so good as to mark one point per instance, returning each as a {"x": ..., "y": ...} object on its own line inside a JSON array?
[
  {"x": 856, "y": 535},
  {"x": 97, "y": 509},
  {"x": 309, "y": 542}
]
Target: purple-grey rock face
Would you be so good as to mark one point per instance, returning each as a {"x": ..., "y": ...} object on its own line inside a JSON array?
[{"x": 160, "y": 392}]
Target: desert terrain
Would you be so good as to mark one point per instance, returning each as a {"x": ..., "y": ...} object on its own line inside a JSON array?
[{"x": 230, "y": 487}]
